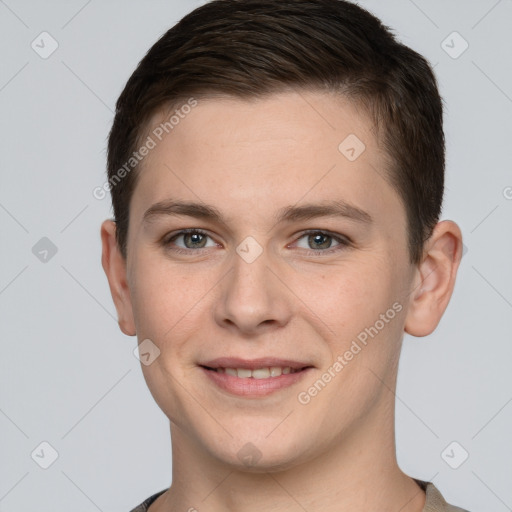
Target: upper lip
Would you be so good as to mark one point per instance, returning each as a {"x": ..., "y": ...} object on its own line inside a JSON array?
[{"x": 252, "y": 364}]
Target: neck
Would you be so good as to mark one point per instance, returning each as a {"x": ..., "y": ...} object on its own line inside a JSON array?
[{"x": 356, "y": 473}]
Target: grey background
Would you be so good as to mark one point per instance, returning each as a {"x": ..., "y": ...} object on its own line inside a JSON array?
[{"x": 68, "y": 375}]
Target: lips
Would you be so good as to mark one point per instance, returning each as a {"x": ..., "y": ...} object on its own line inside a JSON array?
[{"x": 256, "y": 377}]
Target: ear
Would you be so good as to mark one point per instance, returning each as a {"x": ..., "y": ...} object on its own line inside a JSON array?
[
  {"x": 114, "y": 266},
  {"x": 434, "y": 279}
]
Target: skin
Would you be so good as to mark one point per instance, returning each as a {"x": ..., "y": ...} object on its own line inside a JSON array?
[{"x": 249, "y": 159}]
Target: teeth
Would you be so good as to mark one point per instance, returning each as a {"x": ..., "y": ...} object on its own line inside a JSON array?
[
  {"x": 275, "y": 371},
  {"x": 257, "y": 373},
  {"x": 261, "y": 373}
]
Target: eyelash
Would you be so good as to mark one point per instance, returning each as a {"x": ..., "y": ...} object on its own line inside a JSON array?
[{"x": 343, "y": 242}]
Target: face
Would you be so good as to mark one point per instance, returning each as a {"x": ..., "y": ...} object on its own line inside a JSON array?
[{"x": 294, "y": 264}]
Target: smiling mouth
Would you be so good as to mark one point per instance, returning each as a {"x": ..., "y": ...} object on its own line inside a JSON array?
[
  {"x": 257, "y": 373},
  {"x": 256, "y": 382}
]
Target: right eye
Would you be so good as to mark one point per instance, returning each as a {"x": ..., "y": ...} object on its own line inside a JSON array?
[{"x": 191, "y": 240}]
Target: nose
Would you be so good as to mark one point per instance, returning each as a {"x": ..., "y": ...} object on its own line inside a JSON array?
[{"x": 254, "y": 298}]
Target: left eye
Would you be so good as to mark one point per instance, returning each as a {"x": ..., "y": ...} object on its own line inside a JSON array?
[{"x": 320, "y": 241}]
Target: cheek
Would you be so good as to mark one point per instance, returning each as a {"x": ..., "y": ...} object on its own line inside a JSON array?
[
  {"x": 167, "y": 309},
  {"x": 152, "y": 303},
  {"x": 172, "y": 308},
  {"x": 350, "y": 293},
  {"x": 162, "y": 296},
  {"x": 358, "y": 302}
]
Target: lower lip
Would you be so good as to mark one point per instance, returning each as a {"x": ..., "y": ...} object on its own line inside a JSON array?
[{"x": 251, "y": 386}]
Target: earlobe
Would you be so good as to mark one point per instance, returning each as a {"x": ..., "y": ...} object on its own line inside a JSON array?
[
  {"x": 114, "y": 266},
  {"x": 435, "y": 279}
]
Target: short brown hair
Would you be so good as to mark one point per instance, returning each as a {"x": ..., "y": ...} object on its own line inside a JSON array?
[{"x": 252, "y": 48}]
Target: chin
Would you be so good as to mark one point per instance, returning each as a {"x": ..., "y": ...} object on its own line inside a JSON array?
[{"x": 262, "y": 455}]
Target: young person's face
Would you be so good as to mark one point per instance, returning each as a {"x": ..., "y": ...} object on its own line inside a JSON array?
[{"x": 254, "y": 286}]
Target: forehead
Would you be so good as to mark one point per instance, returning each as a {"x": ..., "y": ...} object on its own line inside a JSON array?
[
  {"x": 317, "y": 118},
  {"x": 253, "y": 157}
]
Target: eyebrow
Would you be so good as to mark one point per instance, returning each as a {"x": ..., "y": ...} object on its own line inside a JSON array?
[{"x": 286, "y": 214}]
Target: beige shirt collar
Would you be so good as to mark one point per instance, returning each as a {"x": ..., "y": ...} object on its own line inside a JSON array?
[{"x": 434, "y": 501}]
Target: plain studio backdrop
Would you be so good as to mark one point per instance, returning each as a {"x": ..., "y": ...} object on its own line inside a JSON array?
[{"x": 79, "y": 429}]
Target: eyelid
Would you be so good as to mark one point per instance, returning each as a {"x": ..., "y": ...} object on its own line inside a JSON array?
[{"x": 337, "y": 236}]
